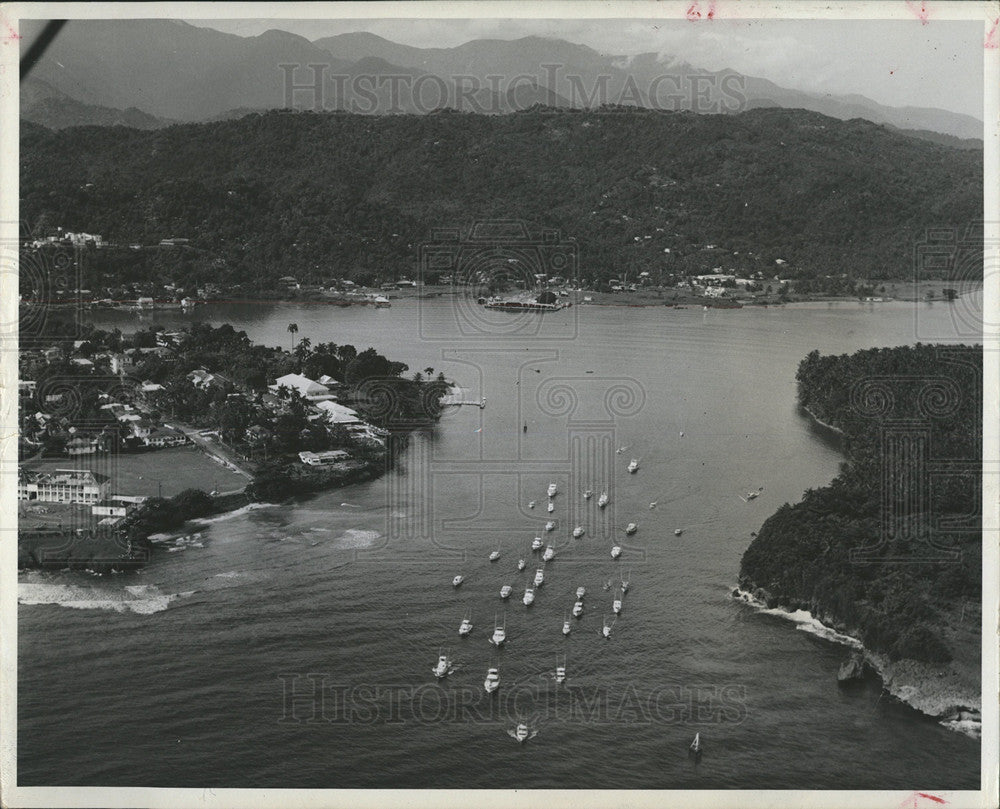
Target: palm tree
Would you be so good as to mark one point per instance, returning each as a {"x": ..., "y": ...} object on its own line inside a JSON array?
[{"x": 293, "y": 329}]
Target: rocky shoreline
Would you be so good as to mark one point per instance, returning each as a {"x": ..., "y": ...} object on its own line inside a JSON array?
[{"x": 947, "y": 692}]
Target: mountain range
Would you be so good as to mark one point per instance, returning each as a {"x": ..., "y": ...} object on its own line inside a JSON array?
[{"x": 152, "y": 73}]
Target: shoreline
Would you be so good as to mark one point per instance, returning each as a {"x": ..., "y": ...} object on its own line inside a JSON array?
[
  {"x": 926, "y": 688},
  {"x": 822, "y": 423}
]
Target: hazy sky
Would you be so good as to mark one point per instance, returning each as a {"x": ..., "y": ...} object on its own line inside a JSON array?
[{"x": 898, "y": 63}]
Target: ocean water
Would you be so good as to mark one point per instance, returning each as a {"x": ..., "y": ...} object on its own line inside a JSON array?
[{"x": 292, "y": 646}]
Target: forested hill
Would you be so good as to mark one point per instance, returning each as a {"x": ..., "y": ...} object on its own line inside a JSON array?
[
  {"x": 315, "y": 195},
  {"x": 906, "y": 581}
]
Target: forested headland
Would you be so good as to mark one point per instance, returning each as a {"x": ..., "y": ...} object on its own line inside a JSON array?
[{"x": 891, "y": 550}]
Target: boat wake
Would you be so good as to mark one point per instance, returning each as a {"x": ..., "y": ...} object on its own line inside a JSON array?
[
  {"x": 357, "y": 538},
  {"x": 142, "y": 599}
]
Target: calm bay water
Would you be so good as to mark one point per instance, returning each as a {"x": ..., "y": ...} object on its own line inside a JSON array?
[{"x": 182, "y": 675}]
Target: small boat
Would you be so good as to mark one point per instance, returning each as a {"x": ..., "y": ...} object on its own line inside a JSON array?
[
  {"x": 631, "y": 528},
  {"x": 653, "y": 505},
  {"x": 457, "y": 581},
  {"x": 578, "y": 532},
  {"x": 752, "y": 495},
  {"x": 560, "y": 673},
  {"x": 678, "y": 532},
  {"x": 578, "y": 609},
  {"x": 495, "y": 555},
  {"x": 522, "y": 733},
  {"x": 529, "y": 597},
  {"x": 616, "y": 605},
  {"x": 550, "y": 552},
  {"x": 466, "y": 626},
  {"x": 551, "y": 507},
  {"x": 581, "y": 592},
  {"x": 624, "y": 586},
  {"x": 607, "y": 585},
  {"x": 492, "y": 682},
  {"x": 536, "y": 544},
  {"x": 521, "y": 564},
  {"x": 695, "y": 749},
  {"x": 633, "y": 466},
  {"x": 539, "y": 577},
  {"x": 499, "y": 632},
  {"x": 505, "y": 591},
  {"x": 682, "y": 433},
  {"x": 588, "y": 494},
  {"x": 602, "y": 501},
  {"x": 549, "y": 525},
  {"x": 443, "y": 667},
  {"x": 552, "y": 490},
  {"x": 606, "y": 629},
  {"x": 616, "y": 551},
  {"x": 620, "y": 450},
  {"x": 566, "y": 626},
  {"x": 531, "y": 504}
]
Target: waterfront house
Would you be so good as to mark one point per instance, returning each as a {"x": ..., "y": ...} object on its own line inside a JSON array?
[
  {"x": 63, "y": 486},
  {"x": 338, "y": 414},
  {"x": 305, "y": 386},
  {"x": 324, "y": 458}
]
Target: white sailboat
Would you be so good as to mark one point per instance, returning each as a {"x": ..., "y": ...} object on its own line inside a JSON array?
[
  {"x": 531, "y": 504},
  {"x": 521, "y": 733},
  {"x": 602, "y": 501},
  {"x": 633, "y": 466},
  {"x": 550, "y": 507},
  {"x": 505, "y": 591},
  {"x": 499, "y": 632},
  {"x": 495, "y": 554},
  {"x": 578, "y": 532},
  {"x": 625, "y": 584},
  {"x": 529, "y": 597},
  {"x": 466, "y": 627},
  {"x": 581, "y": 592},
  {"x": 549, "y": 525},
  {"x": 616, "y": 605},
  {"x": 606, "y": 629},
  {"x": 492, "y": 682},
  {"x": 457, "y": 581},
  {"x": 678, "y": 532},
  {"x": 631, "y": 528},
  {"x": 521, "y": 564},
  {"x": 578, "y": 609},
  {"x": 536, "y": 544},
  {"x": 560, "y": 673},
  {"x": 588, "y": 494},
  {"x": 539, "y": 577},
  {"x": 550, "y": 553},
  {"x": 552, "y": 490},
  {"x": 616, "y": 551},
  {"x": 566, "y": 629},
  {"x": 443, "y": 667}
]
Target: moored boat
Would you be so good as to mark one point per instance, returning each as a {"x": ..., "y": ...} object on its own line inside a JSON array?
[
  {"x": 578, "y": 532},
  {"x": 552, "y": 490},
  {"x": 631, "y": 528},
  {"x": 550, "y": 553},
  {"x": 602, "y": 501},
  {"x": 616, "y": 551},
  {"x": 633, "y": 466},
  {"x": 492, "y": 682},
  {"x": 529, "y": 597},
  {"x": 505, "y": 591},
  {"x": 536, "y": 544},
  {"x": 549, "y": 525},
  {"x": 457, "y": 581}
]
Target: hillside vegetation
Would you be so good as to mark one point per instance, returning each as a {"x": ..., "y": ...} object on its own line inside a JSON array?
[
  {"x": 826, "y": 554},
  {"x": 337, "y": 195}
]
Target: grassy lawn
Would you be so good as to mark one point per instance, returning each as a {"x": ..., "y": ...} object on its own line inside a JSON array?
[{"x": 167, "y": 470}]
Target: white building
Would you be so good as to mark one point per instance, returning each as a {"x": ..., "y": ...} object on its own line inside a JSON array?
[
  {"x": 63, "y": 486},
  {"x": 304, "y": 385},
  {"x": 338, "y": 414},
  {"x": 323, "y": 458}
]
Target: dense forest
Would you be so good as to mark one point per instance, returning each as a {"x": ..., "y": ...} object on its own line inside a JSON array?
[
  {"x": 896, "y": 581},
  {"x": 322, "y": 196}
]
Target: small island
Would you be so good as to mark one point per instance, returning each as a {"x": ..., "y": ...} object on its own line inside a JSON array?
[{"x": 890, "y": 552}]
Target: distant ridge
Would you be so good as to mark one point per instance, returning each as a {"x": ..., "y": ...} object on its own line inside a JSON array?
[{"x": 174, "y": 71}]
